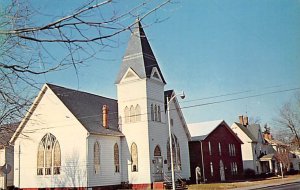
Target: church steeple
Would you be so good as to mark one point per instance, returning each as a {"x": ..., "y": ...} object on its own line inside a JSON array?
[{"x": 139, "y": 56}]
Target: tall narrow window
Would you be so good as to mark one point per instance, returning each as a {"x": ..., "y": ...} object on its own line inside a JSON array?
[
  {"x": 137, "y": 113},
  {"x": 152, "y": 112},
  {"x": 159, "y": 113},
  {"x": 155, "y": 113},
  {"x": 233, "y": 150},
  {"x": 177, "y": 152},
  {"x": 235, "y": 168},
  {"x": 211, "y": 169},
  {"x": 40, "y": 159},
  {"x": 168, "y": 155},
  {"x": 132, "y": 114},
  {"x": 230, "y": 150},
  {"x": 96, "y": 157},
  {"x": 209, "y": 147},
  {"x": 116, "y": 158},
  {"x": 48, "y": 156},
  {"x": 126, "y": 114},
  {"x": 220, "y": 149},
  {"x": 134, "y": 158},
  {"x": 56, "y": 158}
]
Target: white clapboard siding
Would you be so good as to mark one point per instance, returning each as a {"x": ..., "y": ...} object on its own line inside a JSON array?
[
  {"x": 51, "y": 116},
  {"x": 133, "y": 93},
  {"x": 178, "y": 130},
  {"x": 107, "y": 175}
]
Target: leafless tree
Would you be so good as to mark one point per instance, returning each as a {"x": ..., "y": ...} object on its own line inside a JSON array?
[
  {"x": 283, "y": 155},
  {"x": 289, "y": 119},
  {"x": 29, "y": 47}
]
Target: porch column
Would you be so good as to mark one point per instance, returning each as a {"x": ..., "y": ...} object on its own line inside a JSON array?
[{"x": 270, "y": 166}]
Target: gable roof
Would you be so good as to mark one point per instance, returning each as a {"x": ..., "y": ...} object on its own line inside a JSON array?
[
  {"x": 6, "y": 133},
  {"x": 139, "y": 55},
  {"x": 199, "y": 131},
  {"x": 87, "y": 108},
  {"x": 246, "y": 131},
  {"x": 170, "y": 93}
]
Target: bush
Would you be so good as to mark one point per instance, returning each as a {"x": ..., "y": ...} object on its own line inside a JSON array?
[{"x": 249, "y": 173}]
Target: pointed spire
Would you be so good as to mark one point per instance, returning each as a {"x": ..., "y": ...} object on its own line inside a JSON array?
[{"x": 139, "y": 55}]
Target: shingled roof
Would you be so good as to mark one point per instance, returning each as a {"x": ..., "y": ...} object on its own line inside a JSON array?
[
  {"x": 247, "y": 132},
  {"x": 139, "y": 55},
  {"x": 87, "y": 108},
  {"x": 6, "y": 132}
]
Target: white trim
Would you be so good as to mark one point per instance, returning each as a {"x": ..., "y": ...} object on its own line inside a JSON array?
[
  {"x": 155, "y": 71},
  {"x": 131, "y": 71}
]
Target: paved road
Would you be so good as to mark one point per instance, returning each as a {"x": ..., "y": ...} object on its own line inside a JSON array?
[{"x": 288, "y": 186}]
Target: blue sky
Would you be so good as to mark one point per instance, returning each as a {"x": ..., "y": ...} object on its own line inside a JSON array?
[{"x": 209, "y": 48}]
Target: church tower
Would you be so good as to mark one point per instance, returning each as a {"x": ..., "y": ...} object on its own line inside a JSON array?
[{"x": 140, "y": 91}]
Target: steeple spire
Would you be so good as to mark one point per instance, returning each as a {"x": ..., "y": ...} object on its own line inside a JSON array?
[{"x": 139, "y": 56}]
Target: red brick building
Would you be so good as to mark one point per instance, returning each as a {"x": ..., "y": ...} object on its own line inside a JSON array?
[{"x": 216, "y": 150}]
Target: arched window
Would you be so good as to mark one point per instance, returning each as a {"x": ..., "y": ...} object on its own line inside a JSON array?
[
  {"x": 233, "y": 150},
  {"x": 159, "y": 113},
  {"x": 209, "y": 147},
  {"x": 211, "y": 169},
  {"x": 155, "y": 113},
  {"x": 132, "y": 114},
  {"x": 220, "y": 149},
  {"x": 152, "y": 113},
  {"x": 157, "y": 151},
  {"x": 134, "y": 158},
  {"x": 48, "y": 156},
  {"x": 168, "y": 155},
  {"x": 137, "y": 113},
  {"x": 116, "y": 158},
  {"x": 175, "y": 152},
  {"x": 126, "y": 114},
  {"x": 56, "y": 158},
  {"x": 96, "y": 157}
]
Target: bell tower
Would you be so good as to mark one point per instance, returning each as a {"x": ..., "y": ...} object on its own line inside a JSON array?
[{"x": 140, "y": 91}]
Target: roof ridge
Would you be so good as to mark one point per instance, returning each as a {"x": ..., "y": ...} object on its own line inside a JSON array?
[{"x": 79, "y": 91}]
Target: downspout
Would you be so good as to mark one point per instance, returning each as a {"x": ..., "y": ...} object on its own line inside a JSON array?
[{"x": 202, "y": 161}]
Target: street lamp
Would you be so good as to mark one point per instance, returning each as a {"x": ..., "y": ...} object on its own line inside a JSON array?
[{"x": 169, "y": 99}]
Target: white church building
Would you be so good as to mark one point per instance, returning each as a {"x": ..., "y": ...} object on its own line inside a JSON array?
[{"x": 75, "y": 139}]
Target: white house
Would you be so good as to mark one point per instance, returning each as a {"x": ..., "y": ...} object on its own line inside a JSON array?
[
  {"x": 6, "y": 155},
  {"x": 76, "y": 139},
  {"x": 254, "y": 147}
]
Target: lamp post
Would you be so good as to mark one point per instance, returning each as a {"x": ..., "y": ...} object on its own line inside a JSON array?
[{"x": 169, "y": 99}]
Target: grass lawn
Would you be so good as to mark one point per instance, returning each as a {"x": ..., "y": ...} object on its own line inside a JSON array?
[{"x": 217, "y": 186}]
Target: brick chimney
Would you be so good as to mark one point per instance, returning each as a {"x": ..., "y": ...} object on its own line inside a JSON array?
[
  {"x": 241, "y": 119},
  {"x": 244, "y": 120},
  {"x": 105, "y": 116}
]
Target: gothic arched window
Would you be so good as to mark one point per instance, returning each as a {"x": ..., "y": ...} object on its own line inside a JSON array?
[
  {"x": 134, "y": 158},
  {"x": 155, "y": 113},
  {"x": 96, "y": 157},
  {"x": 175, "y": 153},
  {"x": 132, "y": 114},
  {"x": 137, "y": 113},
  {"x": 116, "y": 158},
  {"x": 159, "y": 113},
  {"x": 126, "y": 114},
  {"x": 152, "y": 112},
  {"x": 48, "y": 156}
]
